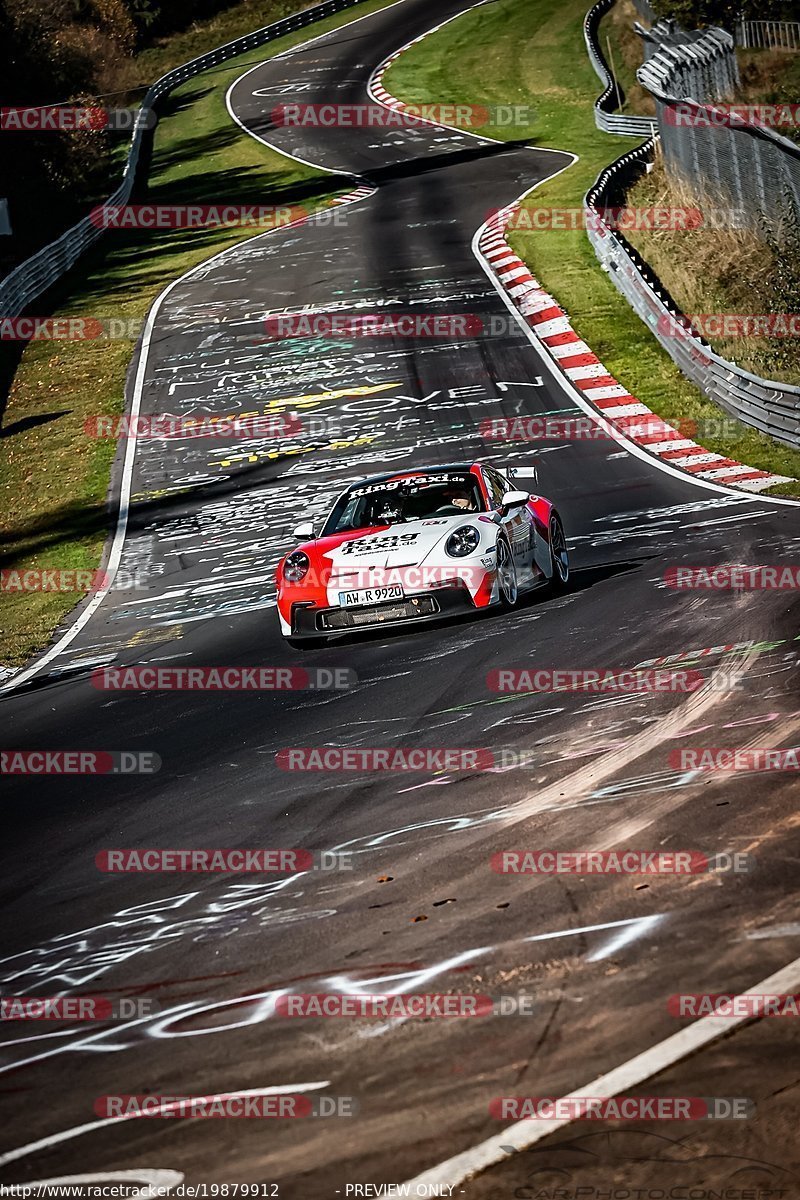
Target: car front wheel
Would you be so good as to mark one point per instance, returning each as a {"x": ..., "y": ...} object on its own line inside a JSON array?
[
  {"x": 559, "y": 556},
  {"x": 506, "y": 575}
]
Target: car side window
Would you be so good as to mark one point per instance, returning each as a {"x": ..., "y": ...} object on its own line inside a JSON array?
[
  {"x": 347, "y": 519},
  {"x": 497, "y": 488}
]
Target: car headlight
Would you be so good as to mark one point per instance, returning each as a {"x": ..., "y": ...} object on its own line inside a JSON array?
[
  {"x": 296, "y": 566},
  {"x": 462, "y": 541}
]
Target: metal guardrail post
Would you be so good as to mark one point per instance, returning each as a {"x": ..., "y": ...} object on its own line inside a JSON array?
[
  {"x": 604, "y": 107},
  {"x": 768, "y": 35}
]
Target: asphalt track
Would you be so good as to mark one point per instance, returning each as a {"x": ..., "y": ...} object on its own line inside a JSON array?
[{"x": 600, "y": 954}]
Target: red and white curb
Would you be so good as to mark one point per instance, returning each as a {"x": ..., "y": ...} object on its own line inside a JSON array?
[
  {"x": 585, "y": 371},
  {"x": 377, "y": 91},
  {"x": 359, "y": 193},
  {"x": 375, "y": 86},
  {"x": 353, "y": 197}
]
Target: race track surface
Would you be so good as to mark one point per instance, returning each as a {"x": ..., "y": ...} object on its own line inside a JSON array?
[{"x": 420, "y": 910}]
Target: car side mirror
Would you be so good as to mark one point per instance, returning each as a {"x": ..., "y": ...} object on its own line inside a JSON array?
[
  {"x": 304, "y": 531},
  {"x": 527, "y": 472},
  {"x": 512, "y": 500}
]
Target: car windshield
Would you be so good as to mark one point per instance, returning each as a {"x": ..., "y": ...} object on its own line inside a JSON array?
[{"x": 397, "y": 501}]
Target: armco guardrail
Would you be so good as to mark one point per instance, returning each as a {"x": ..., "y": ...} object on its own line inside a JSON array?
[
  {"x": 605, "y": 117},
  {"x": 721, "y": 153},
  {"x": 34, "y": 276},
  {"x": 768, "y": 405},
  {"x": 702, "y": 65},
  {"x": 704, "y": 62},
  {"x": 768, "y": 35}
]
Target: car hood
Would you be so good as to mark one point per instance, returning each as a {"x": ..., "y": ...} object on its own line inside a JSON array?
[{"x": 406, "y": 545}]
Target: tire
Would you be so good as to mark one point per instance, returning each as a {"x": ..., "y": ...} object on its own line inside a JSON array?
[
  {"x": 559, "y": 555},
  {"x": 507, "y": 586}
]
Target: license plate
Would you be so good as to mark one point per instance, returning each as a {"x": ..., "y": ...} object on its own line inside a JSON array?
[{"x": 375, "y": 595}]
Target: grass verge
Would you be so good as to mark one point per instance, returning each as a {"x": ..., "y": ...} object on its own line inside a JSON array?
[
  {"x": 53, "y": 478},
  {"x": 532, "y": 52}
]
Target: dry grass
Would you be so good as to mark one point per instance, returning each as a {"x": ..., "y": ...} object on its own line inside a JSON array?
[
  {"x": 770, "y": 77},
  {"x": 715, "y": 270}
]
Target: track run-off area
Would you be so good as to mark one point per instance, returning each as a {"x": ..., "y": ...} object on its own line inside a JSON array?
[{"x": 411, "y": 902}]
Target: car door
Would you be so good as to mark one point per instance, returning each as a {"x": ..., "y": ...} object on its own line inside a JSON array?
[{"x": 518, "y": 525}]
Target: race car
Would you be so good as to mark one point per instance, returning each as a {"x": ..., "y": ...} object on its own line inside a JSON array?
[{"x": 417, "y": 545}]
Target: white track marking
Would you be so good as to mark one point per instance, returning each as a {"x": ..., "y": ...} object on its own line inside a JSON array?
[
  {"x": 287, "y": 53},
  {"x": 67, "y": 1135},
  {"x": 149, "y": 1177},
  {"x": 630, "y": 1074},
  {"x": 124, "y": 507},
  {"x": 112, "y": 565},
  {"x": 119, "y": 535},
  {"x": 130, "y": 450},
  {"x": 264, "y": 1002},
  {"x": 86, "y": 614}
]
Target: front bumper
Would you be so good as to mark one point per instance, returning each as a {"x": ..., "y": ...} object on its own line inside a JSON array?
[{"x": 309, "y": 621}]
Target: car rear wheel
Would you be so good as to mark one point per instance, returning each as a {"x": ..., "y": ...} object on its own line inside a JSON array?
[
  {"x": 559, "y": 556},
  {"x": 506, "y": 575}
]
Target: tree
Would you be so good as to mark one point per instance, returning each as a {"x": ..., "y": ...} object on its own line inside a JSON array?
[{"x": 695, "y": 14}]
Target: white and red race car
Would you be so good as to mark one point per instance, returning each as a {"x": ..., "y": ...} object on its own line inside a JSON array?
[{"x": 416, "y": 545}]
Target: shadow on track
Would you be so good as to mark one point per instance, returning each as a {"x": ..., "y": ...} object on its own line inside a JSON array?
[{"x": 579, "y": 581}]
